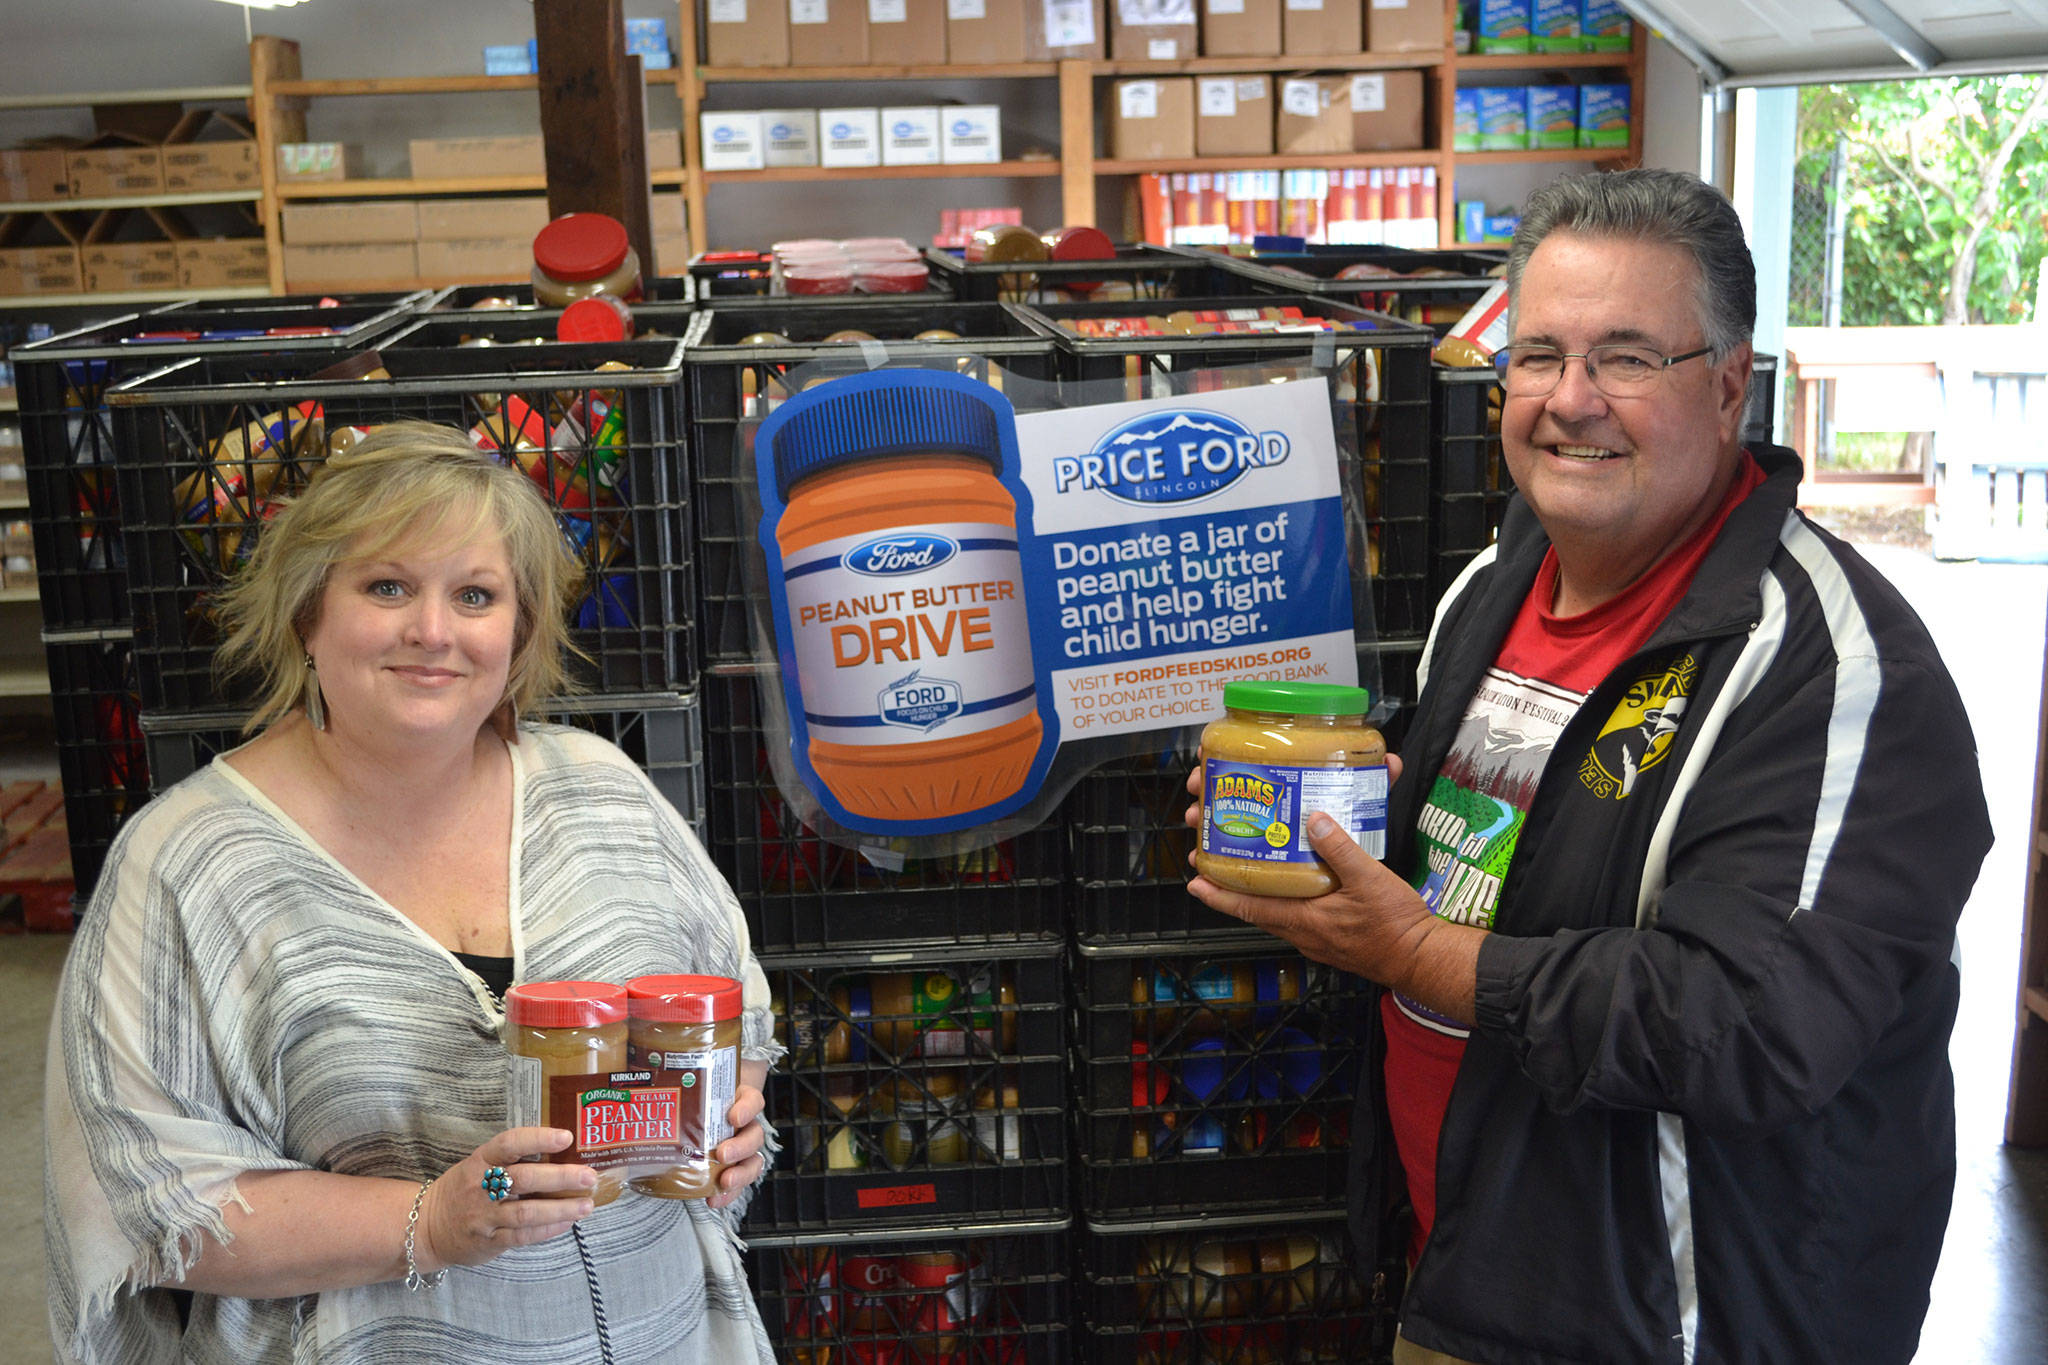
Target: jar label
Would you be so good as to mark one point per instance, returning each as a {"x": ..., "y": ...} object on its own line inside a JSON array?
[
  {"x": 914, "y": 635},
  {"x": 705, "y": 1081},
  {"x": 1256, "y": 811}
]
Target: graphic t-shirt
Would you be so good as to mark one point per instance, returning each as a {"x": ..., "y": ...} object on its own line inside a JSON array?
[{"x": 1468, "y": 828}]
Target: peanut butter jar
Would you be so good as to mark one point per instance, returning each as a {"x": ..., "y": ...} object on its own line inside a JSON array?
[
  {"x": 564, "y": 1039},
  {"x": 684, "y": 1032}
]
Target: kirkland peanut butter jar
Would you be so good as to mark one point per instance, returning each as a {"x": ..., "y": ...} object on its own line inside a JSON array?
[
  {"x": 565, "y": 1046},
  {"x": 1283, "y": 751},
  {"x": 684, "y": 1032}
]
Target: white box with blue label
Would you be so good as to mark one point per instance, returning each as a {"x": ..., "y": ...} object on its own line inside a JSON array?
[
  {"x": 790, "y": 136},
  {"x": 1503, "y": 118},
  {"x": 1603, "y": 114},
  {"x": 732, "y": 141},
  {"x": 910, "y": 135},
  {"x": 849, "y": 137},
  {"x": 970, "y": 133}
]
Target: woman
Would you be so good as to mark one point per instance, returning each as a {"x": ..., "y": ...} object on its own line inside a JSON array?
[{"x": 275, "y": 1076}]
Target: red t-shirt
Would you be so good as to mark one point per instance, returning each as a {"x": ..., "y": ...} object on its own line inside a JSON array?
[{"x": 1469, "y": 826}]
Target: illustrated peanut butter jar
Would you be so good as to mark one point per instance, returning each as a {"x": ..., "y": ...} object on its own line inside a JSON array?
[
  {"x": 684, "y": 1034},
  {"x": 904, "y": 592},
  {"x": 563, "y": 1041}
]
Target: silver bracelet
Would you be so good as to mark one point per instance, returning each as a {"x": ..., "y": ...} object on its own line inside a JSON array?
[{"x": 415, "y": 1281}]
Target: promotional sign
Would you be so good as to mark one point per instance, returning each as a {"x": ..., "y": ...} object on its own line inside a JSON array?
[{"x": 970, "y": 607}]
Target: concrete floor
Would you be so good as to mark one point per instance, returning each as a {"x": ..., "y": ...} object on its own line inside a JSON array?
[{"x": 1991, "y": 1292}]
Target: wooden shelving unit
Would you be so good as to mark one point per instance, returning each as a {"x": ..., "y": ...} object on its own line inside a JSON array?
[{"x": 2026, "y": 1110}]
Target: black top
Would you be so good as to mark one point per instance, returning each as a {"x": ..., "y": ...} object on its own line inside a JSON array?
[{"x": 496, "y": 972}]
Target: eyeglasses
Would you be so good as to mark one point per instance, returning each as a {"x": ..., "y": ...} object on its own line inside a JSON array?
[{"x": 1617, "y": 371}]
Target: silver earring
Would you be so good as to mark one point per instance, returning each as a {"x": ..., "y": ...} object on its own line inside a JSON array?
[{"x": 316, "y": 705}]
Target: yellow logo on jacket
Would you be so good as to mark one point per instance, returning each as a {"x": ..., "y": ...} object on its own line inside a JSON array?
[{"x": 1638, "y": 735}]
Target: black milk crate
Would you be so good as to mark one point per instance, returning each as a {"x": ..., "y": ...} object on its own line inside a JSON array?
[
  {"x": 918, "y": 1087},
  {"x": 744, "y": 278},
  {"x": 1127, "y": 849},
  {"x": 802, "y": 894},
  {"x": 1229, "y": 1291},
  {"x": 436, "y": 331},
  {"x": 1378, "y": 368},
  {"x": 1435, "y": 301},
  {"x": 1138, "y": 271},
  {"x": 102, "y": 760},
  {"x": 1757, "y": 425},
  {"x": 191, "y": 521},
  {"x": 735, "y": 384},
  {"x": 993, "y": 1294},
  {"x": 664, "y": 291},
  {"x": 1220, "y": 1077},
  {"x": 661, "y": 732},
  {"x": 68, "y": 447},
  {"x": 1472, "y": 485}
]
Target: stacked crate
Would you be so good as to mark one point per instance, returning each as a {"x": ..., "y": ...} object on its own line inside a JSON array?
[{"x": 919, "y": 1209}]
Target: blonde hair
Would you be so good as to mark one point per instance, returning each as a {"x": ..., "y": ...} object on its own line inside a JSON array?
[{"x": 405, "y": 480}]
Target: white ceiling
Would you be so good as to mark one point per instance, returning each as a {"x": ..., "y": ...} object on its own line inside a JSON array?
[{"x": 1777, "y": 42}]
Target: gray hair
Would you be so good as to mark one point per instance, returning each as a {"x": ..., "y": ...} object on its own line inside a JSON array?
[{"x": 1669, "y": 207}]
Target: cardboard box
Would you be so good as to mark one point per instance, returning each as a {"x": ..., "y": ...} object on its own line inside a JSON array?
[
  {"x": 372, "y": 220},
  {"x": 1242, "y": 28},
  {"x": 665, "y": 214},
  {"x": 1603, "y": 114},
  {"x": 448, "y": 158},
  {"x": 790, "y": 136},
  {"x": 1554, "y": 26},
  {"x": 1153, "y": 31},
  {"x": 828, "y": 33},
  {"x": 34, "y": 175},
  {"x": 39, "y": 255},
  {"x": 223, "y": 263},
  {"x": 1323, "y": 28},
  {"x": 1404, "y": 26},
  {"x": 1553, "y": 116},
  {"x": 1314, "y": 115},
  {"x": 1060, "y": 30},
  {"x": 1233, "y": 116},
  {"x": 209, "y": 151},
  {"x": 664, "y": 149},
  {"x": 463, "y": 220},
  {"x": 1152, "y": 120},
  {"x": 113, "y": 165},
  {"x": 1503, "y": 26},
  {"x": 125, "y": 252},
  {"x": 1465, "y": 122},
  {"x": 984, "y": 32},
  {"x": 1503, "y": 118},
  {"x": 1386, "y": 111},
  {"x": 970, "y": 134},
  {"x": 910, "y": 135},
  {"x": 301, "y": 163},
  {"x": 1604, "y": 26},
  {"x": 340, "y": 265},
  {"x": 476, "y": 260},
  {"x": 746, "y": 32},
  {"x": 731, "y": 141},
  {"x": 671, "y": 252},
  {"x": 904, "y": 33},
  {"x": 849, "y": 137}
]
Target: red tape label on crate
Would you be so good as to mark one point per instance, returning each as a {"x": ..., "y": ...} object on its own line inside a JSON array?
[{"x": 896, "y": 1196}]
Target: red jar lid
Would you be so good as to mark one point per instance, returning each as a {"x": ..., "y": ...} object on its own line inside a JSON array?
[
  {"x": 891, "y": 277},
  {"x": 1080, "y": 243},
  {"x": 580, "y": 246},
  {"x": 681, "y": 999},
  {"x": 818, "y": 280},
  {"x": 565, "y": 1004},
  {"x": 598, "y": 318}
]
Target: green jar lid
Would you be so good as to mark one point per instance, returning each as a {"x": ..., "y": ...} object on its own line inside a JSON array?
[{"x": 1297, "y": 698}]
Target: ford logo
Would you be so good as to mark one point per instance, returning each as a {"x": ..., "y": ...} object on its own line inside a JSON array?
[
  {"x": 1170, "y": 455},
  {"x": 906, "y": 552}
]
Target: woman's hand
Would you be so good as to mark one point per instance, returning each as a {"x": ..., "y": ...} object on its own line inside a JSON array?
[
  {"x": 461, "y": 1225},
  {"x": 741, "y": 1153}
]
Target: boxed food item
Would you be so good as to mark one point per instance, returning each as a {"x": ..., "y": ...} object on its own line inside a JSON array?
[
  {"x": 223, "y": 263},
  {"x": 1061, "y": 30},
  {"x": 113, "y": 165},
  {"x": 1465, "y": 121},
  {"x": 1553, "y": 116},
  {"x": 984, "y": 32},
  {"x": 1153, "y": 31},
  {"x": 1603, "y": 114},
  {"x": 463, "y": 220},
  {"x": 509, "y": 59},
  {"x": 1503, "y": 118},
  {"x": 372, "y": 220},
  {"x": 125, "y": 252},
  {"x": 1242, "y": 28},
  {"x": 1315, "y": 115},
  {"x": 1504, "y": 25},
  {"x": 349, "y": 265},
  {"x": 746, "y": 32},
  {"x": 665, "y": 214},
  {"x": 1233, "y": 116},
  {"x": 1404, "y": 26},
  {"x": 970, "y": 134},
  {"x": 1604, "y": 26},
  {"x": 905, "y": 33},
  {"x": 910, "y": 135},
  {"x": 33, "y": 175},
  {"x": 447, "y": 158},
  {"x": 732, "y": 141},
  {"x": 647, "y": 39},
  {"x": 1554, "y": 26},
  {"x": 475, "y": 259},
  {"x": 313, "y": 162},
  {"x": 849, "y": 137},
  {"x": 828, "y": 33},
  {"x": 664, "y": 149},
  {"x": 1152, "y": 120},
  {"x": 790, "y": 136},
  {"x": 1386, "y": 111},
  {"x": 208, "y": 151},
  {"x": 39, "y": 254},
  {"x": 1323, "y": 27}
]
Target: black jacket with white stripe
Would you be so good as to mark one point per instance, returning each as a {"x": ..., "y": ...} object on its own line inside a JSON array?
[{"x": 1706, "y": 1112}]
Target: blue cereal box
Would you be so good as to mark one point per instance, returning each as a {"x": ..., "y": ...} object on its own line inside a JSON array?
[
  {"x": 508, "y": 59},
  {"x": 1554, "y": 26},
  {"x": 1604, "y": 26},
  {"x": 1553, "y": 116},
  {"x": 649, "y": 39},
  {"x": 1503, "y": 118},
  {"x": 1504, "y": 25},
  {"x": 1465, "y": 122},
  {"x": 1603, "y": 115},
  {"x": 1471, "y": 220}
]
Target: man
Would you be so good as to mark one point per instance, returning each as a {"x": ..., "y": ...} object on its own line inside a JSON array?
[{"x": 1696, "y": 806}]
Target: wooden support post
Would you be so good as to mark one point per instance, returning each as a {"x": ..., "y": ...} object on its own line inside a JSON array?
[
  {"x": 593, "y": 117},
  {"x": 276, "y": 118},
  {"x": 690, "y": 91},
  {"x": 1077, "y": 143}
]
